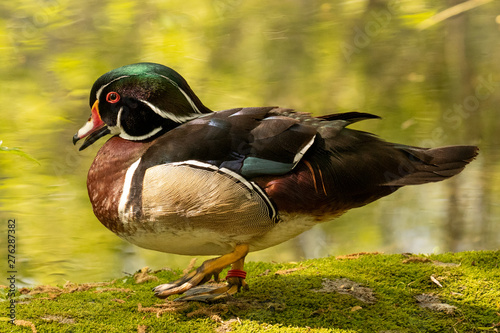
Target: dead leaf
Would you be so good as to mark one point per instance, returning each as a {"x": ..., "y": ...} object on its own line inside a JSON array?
[
  {"x": 26, "y": 324},
  {"x": 266, "y": 272},
  {"x": 433, "y": 279},
  {"x": 122, "y": 290},
  {"x": 288, "y": 271},
  {"x": 416, "y": 260},
  {"x": 356, "y": 308},
  {"x": 70, "y": 287},
  {"x": 42, "y": 290},
  {"x": 59, "y": 319},
  {"x": 227, "y": 326},
  {"x": 144, "y": 276},
  {"x": 444, "y": 264},
  {"x": 163, "y": 269},
  {"x": 168, "y": 306},
  {"x": 356, "y": 255},
  {"x": 141, "y": 328}
]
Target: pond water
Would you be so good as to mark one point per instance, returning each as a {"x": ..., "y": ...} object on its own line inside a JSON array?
[{"x": 433, "y": 82}]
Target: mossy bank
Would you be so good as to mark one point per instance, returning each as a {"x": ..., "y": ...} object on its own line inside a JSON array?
[{"x": 454, "y": 292}]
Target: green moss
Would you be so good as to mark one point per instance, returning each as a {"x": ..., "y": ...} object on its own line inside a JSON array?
[{"x": 292, "y": 297}]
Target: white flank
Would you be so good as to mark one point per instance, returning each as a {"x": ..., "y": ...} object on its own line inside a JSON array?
[
  {"x": 126, "y": 191},
  {"x": 253, "y": 187}
]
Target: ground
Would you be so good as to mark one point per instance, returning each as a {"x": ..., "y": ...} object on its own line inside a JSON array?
[{"x": 453, "y": 292}]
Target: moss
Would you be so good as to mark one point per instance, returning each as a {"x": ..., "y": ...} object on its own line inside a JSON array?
[{"x": 309, "y": 296}]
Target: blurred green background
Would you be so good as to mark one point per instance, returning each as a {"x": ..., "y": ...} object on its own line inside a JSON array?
[{"x": 434, "y": 80}]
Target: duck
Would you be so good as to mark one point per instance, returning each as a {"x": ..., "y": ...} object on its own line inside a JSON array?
[{"x": 177, "y": 177}]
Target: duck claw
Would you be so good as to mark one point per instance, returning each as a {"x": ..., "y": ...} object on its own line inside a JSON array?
[
  {"x": 203, "y": 274},
  {"x": 211, "y": 293},
  {"x": 182, "y": 285},
  {"x": 207, "y": 293}
]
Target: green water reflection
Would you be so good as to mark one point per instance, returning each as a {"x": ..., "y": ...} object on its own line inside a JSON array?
[{"x": 436, "y": 86}]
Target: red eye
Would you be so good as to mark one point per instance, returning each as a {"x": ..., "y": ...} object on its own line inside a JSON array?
[{"x": 112, "y": 97}]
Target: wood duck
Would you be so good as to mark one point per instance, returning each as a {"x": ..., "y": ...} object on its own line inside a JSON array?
[{"x": 178, "y": 178}]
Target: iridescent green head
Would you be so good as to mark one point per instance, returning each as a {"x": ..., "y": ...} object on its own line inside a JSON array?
[{"x": 138, "y": 102}]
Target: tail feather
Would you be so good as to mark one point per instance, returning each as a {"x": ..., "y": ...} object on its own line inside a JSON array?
[{"x": 433, "y": 165}]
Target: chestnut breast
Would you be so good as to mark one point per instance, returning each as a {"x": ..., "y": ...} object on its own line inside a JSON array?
[{"x": 107, "y": 175}]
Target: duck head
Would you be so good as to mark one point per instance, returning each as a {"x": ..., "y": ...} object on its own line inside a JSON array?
[{"x": 138, "y": 102}]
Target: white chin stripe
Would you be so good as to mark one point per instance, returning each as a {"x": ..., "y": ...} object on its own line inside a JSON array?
[
  {"x": 114, "y": 130},
  {"x": 126, "y": 136}
]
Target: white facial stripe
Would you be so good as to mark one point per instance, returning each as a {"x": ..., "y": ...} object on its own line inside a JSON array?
[
  {"x": 126, "y": 191},
  {"x": 98, "y": 93},
  {"x": 167, "y": 115},
  {"x": 183, "y": 92}
]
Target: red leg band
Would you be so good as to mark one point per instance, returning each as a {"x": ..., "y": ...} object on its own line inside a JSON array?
[{"x": 236, "y": 273}]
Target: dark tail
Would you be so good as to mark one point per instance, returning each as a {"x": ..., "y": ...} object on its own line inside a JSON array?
[{"x": 431, "y": 165}]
